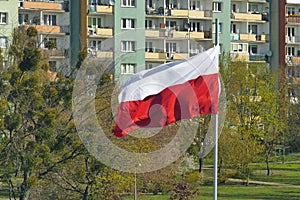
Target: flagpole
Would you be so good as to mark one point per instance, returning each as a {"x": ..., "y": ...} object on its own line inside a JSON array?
[{"x": 216, "y": 128}]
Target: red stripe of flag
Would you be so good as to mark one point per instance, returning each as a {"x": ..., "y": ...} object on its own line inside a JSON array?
[{"x": 182, "y": 101}]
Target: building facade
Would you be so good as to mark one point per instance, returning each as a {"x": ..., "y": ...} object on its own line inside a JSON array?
[
  {"x": 139, "y": 35},
  {"x": 8, "y": 21},
  {"x": 51, "y": 19}
]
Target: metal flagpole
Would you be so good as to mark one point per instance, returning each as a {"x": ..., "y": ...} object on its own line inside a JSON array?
[
  {"x": 135, "y": 193},
  {"x": 216, "y": 128}
]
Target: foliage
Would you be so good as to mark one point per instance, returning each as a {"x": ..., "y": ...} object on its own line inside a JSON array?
[
  {"x": 254, "y": 126},
  {"x": 183, "y": 191}
]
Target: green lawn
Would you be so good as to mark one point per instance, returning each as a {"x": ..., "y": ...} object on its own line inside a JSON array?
[{"x": 238, "y": 193}]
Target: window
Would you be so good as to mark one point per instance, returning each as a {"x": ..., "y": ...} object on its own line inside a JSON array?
[
  {"x": 217, "y": 6},
  {"x": 149, "y": 24},
  {"x": 3, "y": 42},
  {"x": 253, "y": 49},
  {"x": 195, "y": 5},
  {"x": 149, "y": 66},
  {"x": 128, "y": 68},
  {"x": 128, "y": 23},
  {"x": 95, "y": 45},
  {"x": 149, "y": 47},
  {"x": 171, "y": 47},
  {"x": 252, "y": 29},
  {"x": 23, "y": 19},
  {"x": 50, "y": 20},
  {"x": 94, "y": 22},
  {"x": 290, "y": 31},
  {"x": 220, "y": 28},
  {"x": 253, "y": 8},
  {"x": 234, "y": 7},
  {"x": 128, "y": 46},
  {"x": 290, "y": 51},
  {"x": 290, "y": 10},
  {"x": 3, "y": 18},
  {"x": 239, "y": 47},
  {"x": 128, "y": 3}
]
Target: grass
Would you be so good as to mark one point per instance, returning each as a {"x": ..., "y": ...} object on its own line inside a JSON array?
[
  {"x": 237, "y": 193},
  {"x": 278, "y": 176}
]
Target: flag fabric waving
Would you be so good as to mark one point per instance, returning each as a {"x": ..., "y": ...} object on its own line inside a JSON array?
[{"x": 170, "y": 92}]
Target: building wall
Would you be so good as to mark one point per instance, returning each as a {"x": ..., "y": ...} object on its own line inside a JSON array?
[
  {"x": 224, "y": 19},
  {"x": 136, "y": 34},
  {"x": 75, "y": 33},
  {"x": 10, "y": 8}
]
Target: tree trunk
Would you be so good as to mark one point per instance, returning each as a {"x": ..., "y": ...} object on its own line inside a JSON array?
[
  {"x": 86, "y": 193},
  {"x": 11, "y": 190},
  {"x": 268, "y": 166},
  {"x": 24, "y": 194}
]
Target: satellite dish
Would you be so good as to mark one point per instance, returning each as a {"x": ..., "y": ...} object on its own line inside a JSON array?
[
  {"x": 186, "y": 26},
  {"x": 269, "y": 53}
]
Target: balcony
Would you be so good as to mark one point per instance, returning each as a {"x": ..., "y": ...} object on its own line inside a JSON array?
[
  {"x": 105, "y": 54},
  {"x": 159, "y": 56},
  {"x": 103, "y": 32},
  {"x": 55, "y": 53},
  {"x": 104, "y": 9},
  {"x": 197, "y": 35},
  {"x": 249, "y": 37},
  {"x": 247, "y": 16},
  {"x": 46, "y": 29},
  {"x": 155, "y": 55},
  {"x": 257, "y": 58},
  {"x": 42, "y": 5},
  {"x": 200, "y": 13},
  {"x": 292, "y": 39},
  {"x": 152, "y": 33},
  {"x": 180, "y": 13},
  {"x": 293, "y": 18},
  {"x": 240, "y": 56}
]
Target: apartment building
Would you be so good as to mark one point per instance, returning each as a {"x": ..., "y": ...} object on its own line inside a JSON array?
[
  {"x": 8, "y": 21},
  {"x": 151, "y": 32},
  {"x": 139, "y": 35},
  {"x": 51, "y": 19},
  {"x": 292, "y": 41}
]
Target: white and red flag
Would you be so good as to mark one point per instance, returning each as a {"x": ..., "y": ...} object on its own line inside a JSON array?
[{"x": 170, "y": 92}]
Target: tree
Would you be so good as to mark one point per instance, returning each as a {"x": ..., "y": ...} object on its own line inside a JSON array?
[
  {"x": 253, "y": 123},
  {"x": 36, "y": 122}
]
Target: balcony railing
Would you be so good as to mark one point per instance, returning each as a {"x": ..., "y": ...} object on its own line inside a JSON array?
[
  {"x": 104, "y": 9},
  {"x": 55, "y": 53},
  {"x": 293, "y": 18},
  {"x": 247, "y": 16},
  {"x": 172, "y": 33},
  {"x": 240, "y": 56},
  {"x": 46, "y": 29},
  {"x": 42, "y": 5},
  {"x": 292, "y": 39},
  {"x": 249, "y": 37},
  {"x": 179, "y": 12},
  {"x": 165, "y": 56},
  {"x": 257, "y": 57}
]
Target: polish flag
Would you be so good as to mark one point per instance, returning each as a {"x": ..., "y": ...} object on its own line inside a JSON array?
[{"x": 170, "y": 92}]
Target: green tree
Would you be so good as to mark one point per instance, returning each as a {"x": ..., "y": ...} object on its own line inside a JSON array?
[
  {"x": 253, "y": 124},
  {"x": 36, "y": 122}
]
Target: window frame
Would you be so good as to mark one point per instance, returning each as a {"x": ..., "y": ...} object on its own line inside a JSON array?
[
  {"x": 4, "y": 41},
  {"x": 128, "y": 68},
  {"x": 3, "y": 15},
  {"x": 128, "y": 46},
  {"x": 217, "y": 6},
  {"x": 130, "y": 23},
  {"x": 128, "y": 3}
]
